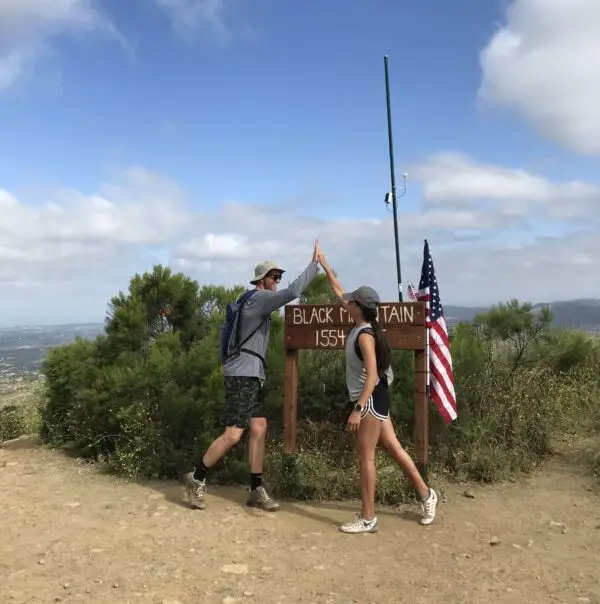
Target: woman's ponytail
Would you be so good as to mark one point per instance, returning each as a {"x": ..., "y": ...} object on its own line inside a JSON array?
[{"x": 382, "y": 346}]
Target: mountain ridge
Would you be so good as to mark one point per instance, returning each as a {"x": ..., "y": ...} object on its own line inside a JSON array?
[{"x": 580, "y": 313}]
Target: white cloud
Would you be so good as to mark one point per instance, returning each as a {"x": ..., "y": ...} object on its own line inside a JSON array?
[
  {"x": 544, "y": 62},
  {"x": 456, "y": 180},
  {"x": 143, "y": 209},
  {"x": 239, "y": 232},
  {"x": 480, "y": 257},
  {"x": 78, "y": 249},
  {"x": 28, "y": 27},
  {"x": 483, "y": 254},
  {"x": 198, "y": 15}
]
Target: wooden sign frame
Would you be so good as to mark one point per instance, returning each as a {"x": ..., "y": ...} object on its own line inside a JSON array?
[{"x": 325, "y": 327}]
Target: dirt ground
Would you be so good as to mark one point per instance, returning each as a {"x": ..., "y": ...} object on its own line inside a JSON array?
[{"x": 70, "y": 534}]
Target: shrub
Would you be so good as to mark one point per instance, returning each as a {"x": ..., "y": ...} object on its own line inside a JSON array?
[
  {"x": 146, "y": 396},
  {"x": 507, "y": 422},
  {"x": 519, "y": 384},
  {"x": 68, "y": 371},
  {"x": 325, "y": 468}
]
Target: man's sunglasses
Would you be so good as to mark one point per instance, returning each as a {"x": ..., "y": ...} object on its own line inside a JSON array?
[{"x": 275, "y": 276}]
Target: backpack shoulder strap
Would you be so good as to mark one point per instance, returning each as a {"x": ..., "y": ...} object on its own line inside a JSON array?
[
  {"x": 241, "y": 302},
  {"x": 245, "y": 297},
  {"x": 252, "y": 291},
  {"x": 248, "y": 295}
]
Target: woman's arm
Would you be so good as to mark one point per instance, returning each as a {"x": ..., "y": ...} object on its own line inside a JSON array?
[
  {"x": 366, "y": 343},
  {"x": 336, "y": 286}
]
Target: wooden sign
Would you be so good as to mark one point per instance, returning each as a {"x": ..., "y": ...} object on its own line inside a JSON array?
[
  {"x": 326, "y": 326},
  {"x": 319, "y": 326}
]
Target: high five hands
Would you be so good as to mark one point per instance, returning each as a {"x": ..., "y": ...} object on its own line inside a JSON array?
[{"x": 318, "y": 255}]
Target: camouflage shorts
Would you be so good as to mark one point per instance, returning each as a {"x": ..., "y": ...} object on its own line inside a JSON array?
[{"x": 244, "y": 399}]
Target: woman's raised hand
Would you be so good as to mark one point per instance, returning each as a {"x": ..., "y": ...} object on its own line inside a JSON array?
[{"x": 322, "y": 259}]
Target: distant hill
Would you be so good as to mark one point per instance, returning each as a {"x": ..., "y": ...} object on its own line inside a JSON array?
[
  {"x": 458, "y": 314},
  {"x": 581, "y": 314},
  {"x": 576, "y": 314}
]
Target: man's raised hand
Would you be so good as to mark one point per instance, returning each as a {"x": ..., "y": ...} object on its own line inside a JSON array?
[{"x": 316, "y": 251}]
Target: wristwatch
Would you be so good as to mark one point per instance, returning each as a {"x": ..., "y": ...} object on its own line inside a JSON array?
[{"x": 358, "y": 408}]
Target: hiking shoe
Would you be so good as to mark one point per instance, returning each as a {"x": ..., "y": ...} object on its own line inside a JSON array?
[
  {"x": 428, "y": 508},
  {"x": 360, "y": 525},
  {"x": 259, "y": 498},
  {"x": 195, "y": 490}
]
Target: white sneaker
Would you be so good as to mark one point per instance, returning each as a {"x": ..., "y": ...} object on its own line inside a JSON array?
[
  {"x": 428, "y": 508},
  {"x": 360, "y": 525},
  {"x": 194, "y": 490}
]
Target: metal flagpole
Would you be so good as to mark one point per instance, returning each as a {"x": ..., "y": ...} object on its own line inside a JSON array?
[
  {"x": 426, "y": 259},
  {"x": 393, "y": 177},
  {"x": 426, "y": 291}
]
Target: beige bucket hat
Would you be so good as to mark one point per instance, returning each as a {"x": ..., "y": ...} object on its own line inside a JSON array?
[{"x": 261, "y": 270}]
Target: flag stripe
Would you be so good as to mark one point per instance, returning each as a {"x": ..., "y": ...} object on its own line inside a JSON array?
[
  {"x": 443, "y": 404},
  {"x": 444, "y": 360},
  {"x": 445, "y": 390}
]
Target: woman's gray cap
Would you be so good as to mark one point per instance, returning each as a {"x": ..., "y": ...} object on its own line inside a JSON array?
[
  {"x": 364, "y": 295},
  {"x": 261, "y": 270}
]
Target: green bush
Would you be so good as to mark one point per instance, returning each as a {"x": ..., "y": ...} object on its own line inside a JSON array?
[
  {"x": 146, "y": 396},
  {"x": 68, "y": 370}
]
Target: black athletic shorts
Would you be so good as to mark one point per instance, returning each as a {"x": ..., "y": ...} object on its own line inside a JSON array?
[
  {"x": 378, "y": 404},
  {"x": 244, "y": 399}
]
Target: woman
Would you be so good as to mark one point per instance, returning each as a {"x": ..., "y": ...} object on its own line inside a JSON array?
[{"x": 368, "y": 377}]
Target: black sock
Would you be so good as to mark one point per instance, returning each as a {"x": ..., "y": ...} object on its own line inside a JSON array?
[
  {"x": 427, "y": 496},
  {"x": 255, "y": 481},
  {"x": 200, "y": 471}
]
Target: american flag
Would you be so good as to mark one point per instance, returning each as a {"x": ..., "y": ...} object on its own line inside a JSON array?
[
  {"x": 441, "y": 376},
  {"x": 413, "y": 294}
]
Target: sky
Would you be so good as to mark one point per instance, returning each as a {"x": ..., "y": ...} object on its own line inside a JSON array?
[{"x": 210, "y": 135}]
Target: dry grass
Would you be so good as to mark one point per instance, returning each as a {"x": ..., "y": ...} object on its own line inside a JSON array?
[{"x": 19, "y": 408}]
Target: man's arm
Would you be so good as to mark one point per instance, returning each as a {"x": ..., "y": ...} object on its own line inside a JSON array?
[{"x": 266, "y": 301}]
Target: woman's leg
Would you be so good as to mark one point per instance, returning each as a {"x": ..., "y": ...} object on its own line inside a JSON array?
[
  {"x": 366, "y": 443},
  {"x": 368, "y": 436},
  {"x": 389, "y": 441}
]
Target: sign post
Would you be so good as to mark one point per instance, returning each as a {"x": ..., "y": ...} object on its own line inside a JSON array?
[{"x": 326, "y": 326}]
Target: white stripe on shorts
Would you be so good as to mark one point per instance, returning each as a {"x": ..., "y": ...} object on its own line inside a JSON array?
[{"x": 369, "y": 408}]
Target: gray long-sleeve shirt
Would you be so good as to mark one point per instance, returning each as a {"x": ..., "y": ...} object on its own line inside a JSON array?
[{"x": 254, "y": 312}]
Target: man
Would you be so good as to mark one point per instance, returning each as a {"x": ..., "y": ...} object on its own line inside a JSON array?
[{"x": 244, "y": 377}]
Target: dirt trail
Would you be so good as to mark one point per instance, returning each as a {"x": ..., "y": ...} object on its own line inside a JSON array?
[{"x": 70, "y": 534}]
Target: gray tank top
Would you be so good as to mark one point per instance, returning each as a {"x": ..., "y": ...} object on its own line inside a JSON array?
[{"x": 356, "y": 373}]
